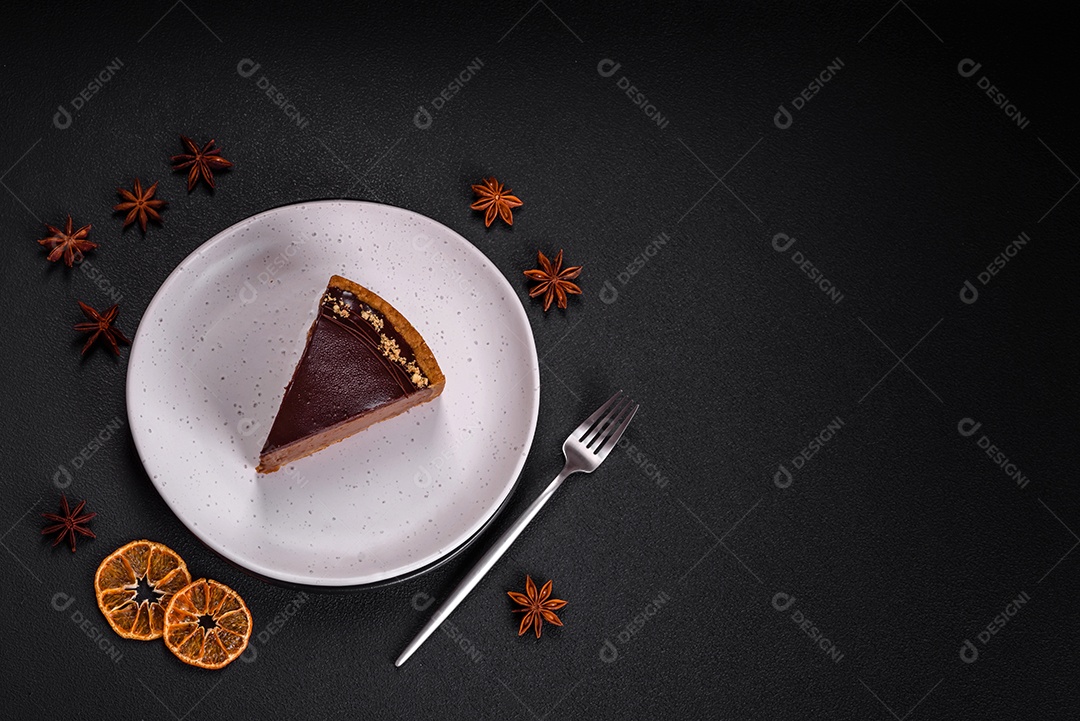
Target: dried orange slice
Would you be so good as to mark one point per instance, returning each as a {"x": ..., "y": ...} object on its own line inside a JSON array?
[
  {"x": 135, "y": 612},
  {"x": 207, "y": 624}
]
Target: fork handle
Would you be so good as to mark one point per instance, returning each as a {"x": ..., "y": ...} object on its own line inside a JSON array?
[{"x": 482, "y": 566}]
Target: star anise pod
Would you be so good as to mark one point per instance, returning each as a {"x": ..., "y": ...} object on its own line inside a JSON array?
[
  {"x": 201, "y": 162},
  {"x": 68, "y": 523},
  {"x": 101, "y": 325},
  {"x": 554, "y": 280},
  {"x": 494, "y": 200},
  {"x": 68, "y": 244},
  {"x": 140, "y": 205},
  {"x": 538, "y": 607}
]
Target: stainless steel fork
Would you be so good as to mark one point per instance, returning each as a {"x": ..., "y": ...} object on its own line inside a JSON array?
[{"x": 585, "y": 450}]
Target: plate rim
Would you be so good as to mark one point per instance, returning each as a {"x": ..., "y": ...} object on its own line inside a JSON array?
[{"x": 288, "y": 582}]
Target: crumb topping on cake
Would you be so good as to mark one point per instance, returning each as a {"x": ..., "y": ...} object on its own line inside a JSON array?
[
  {"x": 337, "y": 308},
  {"x": 372, "y": 317}
]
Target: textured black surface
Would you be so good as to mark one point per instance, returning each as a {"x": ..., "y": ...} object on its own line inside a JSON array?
[{"x": 899, "y": 180}]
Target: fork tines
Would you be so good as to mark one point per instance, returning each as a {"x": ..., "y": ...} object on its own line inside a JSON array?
[{"x": 605, "y": 427}]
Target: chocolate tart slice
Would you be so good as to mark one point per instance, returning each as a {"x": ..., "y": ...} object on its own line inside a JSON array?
[{"x": 363, "y": 363}]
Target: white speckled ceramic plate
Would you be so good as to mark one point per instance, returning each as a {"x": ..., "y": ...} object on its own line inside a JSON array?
[{"x": 219, "y": 343}]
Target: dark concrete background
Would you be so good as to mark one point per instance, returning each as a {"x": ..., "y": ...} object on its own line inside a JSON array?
[{"x": 899, "y": 540}]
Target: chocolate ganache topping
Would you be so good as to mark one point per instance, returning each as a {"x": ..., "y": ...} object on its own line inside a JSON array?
[
  {"x": 370, "y": 327},
  {"x": 355, "y": 361}
]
